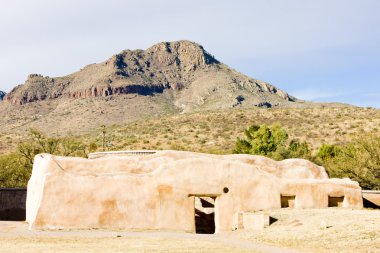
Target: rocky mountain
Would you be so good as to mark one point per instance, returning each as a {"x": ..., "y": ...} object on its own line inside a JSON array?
[
  {"x": 167, "y": 78},
  {"x": 2, "y": 95},
  {"x": 191, "y": 77}
]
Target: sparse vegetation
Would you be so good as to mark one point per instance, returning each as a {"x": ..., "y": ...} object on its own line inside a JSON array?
[
  {"x": 14, "y": 172},
  {"x": 15, "y": 168},
  {"x": 311, "y": 134},
  {"x": 358, "y": 160}
]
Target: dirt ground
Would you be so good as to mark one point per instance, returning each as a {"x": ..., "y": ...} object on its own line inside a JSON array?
[
  {"x": 16, "y": 238},
  {"x": 317, "y": 230},
  {"x": 322, "y": 230}
]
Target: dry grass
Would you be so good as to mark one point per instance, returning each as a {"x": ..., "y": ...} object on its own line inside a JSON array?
[
  {"x": 216, "y": 132},
  {"x": 347, "y": 230},
  {"x": 110, "y": 244}
]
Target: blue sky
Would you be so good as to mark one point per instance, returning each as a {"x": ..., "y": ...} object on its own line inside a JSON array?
[{"x": 325, "y": 50}]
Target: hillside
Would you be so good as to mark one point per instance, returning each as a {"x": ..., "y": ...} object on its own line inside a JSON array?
[
  {"x": 167, "y": 78},
  {"x": 189, "y": 76},
  {"x": 216, "y": 132}
]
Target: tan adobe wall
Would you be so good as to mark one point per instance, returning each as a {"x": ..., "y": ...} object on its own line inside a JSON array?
[{"x": 158, "y": 191}]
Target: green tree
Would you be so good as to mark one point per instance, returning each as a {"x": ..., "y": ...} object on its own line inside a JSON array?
[
  {"x": 358, "y": 160},
  {"x": 261, "y": 140},
  {"x": 271, "y": 141}
]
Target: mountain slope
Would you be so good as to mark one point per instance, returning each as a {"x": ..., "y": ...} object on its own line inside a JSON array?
[
  {"x": 167, "y": 78},
  {"x": 192, "y": 77}
]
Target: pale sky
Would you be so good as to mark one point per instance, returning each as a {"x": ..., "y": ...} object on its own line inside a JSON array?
[{"x": 319, "y": 50}]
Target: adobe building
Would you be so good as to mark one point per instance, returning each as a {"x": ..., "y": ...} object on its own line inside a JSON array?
[{"x": 174, "y": 190}]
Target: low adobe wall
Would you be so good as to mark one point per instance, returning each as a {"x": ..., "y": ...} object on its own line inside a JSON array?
[
  {"x": 12, "y": 204},
  {"x": 371, "y": 199}
]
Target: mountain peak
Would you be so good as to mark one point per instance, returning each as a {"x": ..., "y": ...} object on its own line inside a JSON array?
[
  {"x": 186, "y": 52},
  {"x": 183, "y": 72}
]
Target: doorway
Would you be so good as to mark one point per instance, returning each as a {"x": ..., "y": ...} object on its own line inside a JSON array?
[
  {"x": 336, "y": 201},
  {"x": 204, "y": 211}
]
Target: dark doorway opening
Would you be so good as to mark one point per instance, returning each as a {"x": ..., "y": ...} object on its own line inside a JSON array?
[
  {"x": 336, "y": 201},
  {"x": 204, "y": 215},
  {"x": 288, "y": 201}
]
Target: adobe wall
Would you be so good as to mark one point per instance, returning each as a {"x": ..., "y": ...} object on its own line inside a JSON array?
[
  {"x": 157, "y": 191},
  {"x": 371, "y": 199},
  {"x": 162, "y": 199},
  {"x": 316, "y": 193}
]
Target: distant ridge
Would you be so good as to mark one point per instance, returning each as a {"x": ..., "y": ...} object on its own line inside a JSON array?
[
  {"x": 167, "y": 78},
  {"x": 192, "y": 77}
]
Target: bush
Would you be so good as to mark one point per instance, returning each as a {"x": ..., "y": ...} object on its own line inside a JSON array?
[
  {"x": 261, "y": 140},
  {"x": 272, "y": 142},
  {"x": 16, "y": 168},
  {"x": 359, "y": 160},
  {"x": 327, "y": 151},
  {"x": 38, "y": 143},
  {"x": 14, "y": 173}
]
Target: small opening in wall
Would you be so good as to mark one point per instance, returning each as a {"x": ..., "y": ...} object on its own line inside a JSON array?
[
  {"x": 336, "y": 201},
  {"x": 288, "y": 201},
  {"x": 225, "y": 190}
]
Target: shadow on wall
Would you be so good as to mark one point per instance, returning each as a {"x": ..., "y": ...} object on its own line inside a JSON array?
[
  {"x": 369, "y": 204},
  {"x": 12, "y": 204}
]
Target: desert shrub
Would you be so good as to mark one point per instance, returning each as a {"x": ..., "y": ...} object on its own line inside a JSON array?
[
  {"x": 261, "y": 140},
  {"x": 94, "y": 147},
  {"x": 37, "y": 143},
  {"x": 358, "y": 160},
  {"x": 298, "y": 149},
  {"x": 14, "y": 172},
  {"x": 15, "y": 168},
  {"x": 271, "y": 141},
  {"x": 327, "y": 151}
]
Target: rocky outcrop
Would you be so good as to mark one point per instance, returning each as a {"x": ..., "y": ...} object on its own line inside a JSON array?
[
  {"x": 36, "y": 87},
  {"x": 2, "y": 95},
  {"x": 184, "y": 68},
  {"x": 104, "y": 91}
]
